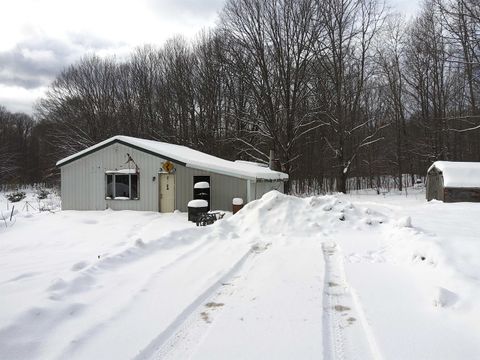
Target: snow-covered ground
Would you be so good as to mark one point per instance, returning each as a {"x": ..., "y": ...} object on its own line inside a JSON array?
[{"x": 358, "y": 276}]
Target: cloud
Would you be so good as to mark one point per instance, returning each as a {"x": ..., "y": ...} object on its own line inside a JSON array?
[
  {"x": 187, "y": 8},
  {"x": 32, "y": 64},
  {"x": 19, "y": 99},
  {"x": 49, "y": 35},
  {"x": 36, "y": 61}
]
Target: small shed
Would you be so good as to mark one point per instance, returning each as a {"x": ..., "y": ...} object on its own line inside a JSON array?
[
  {"x": 127, "y": 173},
  {"x": 451, "y": 181}
]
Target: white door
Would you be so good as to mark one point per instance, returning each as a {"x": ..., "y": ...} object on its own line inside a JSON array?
[{"x": 166, "y": 192}]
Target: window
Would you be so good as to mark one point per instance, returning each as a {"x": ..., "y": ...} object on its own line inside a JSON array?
[{"x": 122, "y": 185}]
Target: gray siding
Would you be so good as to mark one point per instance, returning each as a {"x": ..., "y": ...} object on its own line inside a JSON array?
[
  {"x": 262, "y": 187},
  {"x": 83, "y": 180},
  {"x": 222, "y": 188},
  {"x": 83, "y": 183}
]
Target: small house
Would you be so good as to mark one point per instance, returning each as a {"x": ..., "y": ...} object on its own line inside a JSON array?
[
  {"x": 451, "y": 181},
  {"x": 127, "y": 173}
]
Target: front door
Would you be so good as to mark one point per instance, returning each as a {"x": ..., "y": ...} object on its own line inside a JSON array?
[{"x": 166, "y": 192}]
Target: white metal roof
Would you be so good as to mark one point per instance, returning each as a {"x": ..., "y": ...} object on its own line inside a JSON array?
[
  {"x": 191, "y": 158},
  {"x": 459, "y": 174}
]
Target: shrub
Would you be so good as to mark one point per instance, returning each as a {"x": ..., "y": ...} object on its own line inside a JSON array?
[
  {"x": 42, "y": 194},
  {"x": 16, "y": 196}
]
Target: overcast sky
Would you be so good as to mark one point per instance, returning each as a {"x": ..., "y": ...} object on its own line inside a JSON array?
[{"x": 40, "y": 37}]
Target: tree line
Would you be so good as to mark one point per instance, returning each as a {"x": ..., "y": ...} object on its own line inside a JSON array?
[{"x": 339, "y": 89}]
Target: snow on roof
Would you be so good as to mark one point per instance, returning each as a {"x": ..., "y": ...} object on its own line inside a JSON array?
[
  {"x": 458, "y": 174},
  {"x": 191, "y": 158},
  {"x": 121, "y": 171},
  {"x": 251, "y": 163}
]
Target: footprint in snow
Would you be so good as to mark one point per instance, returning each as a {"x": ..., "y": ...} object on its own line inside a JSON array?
[
  {"x": 23, "y": 276},
  {"x": 139, "y": 243},
  {"x": 57, "y": 284},
  {"x": 79, "y": 265},
  {"x": 90, "y": 221},
  {"x": 444, "y": 298}
]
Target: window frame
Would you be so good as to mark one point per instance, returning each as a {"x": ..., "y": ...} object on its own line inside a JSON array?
[{"x": 113, "y": 175}]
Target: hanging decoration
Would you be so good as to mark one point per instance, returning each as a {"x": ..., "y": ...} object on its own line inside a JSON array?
[
  {"x": 167, "y": 166},
  {"x": 132, "y": 164}
]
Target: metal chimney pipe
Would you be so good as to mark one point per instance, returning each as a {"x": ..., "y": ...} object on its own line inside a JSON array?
[{"x": 271, "y": 162}]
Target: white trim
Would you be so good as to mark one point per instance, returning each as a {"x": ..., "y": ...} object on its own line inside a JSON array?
[
  {"x": 249, "y": 191},
  {"x": 114, "y": 175}
]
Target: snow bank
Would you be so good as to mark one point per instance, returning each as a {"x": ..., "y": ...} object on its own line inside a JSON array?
[{"x": 277, "y": 213}]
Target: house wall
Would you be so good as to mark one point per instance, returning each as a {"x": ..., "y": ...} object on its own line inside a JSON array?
[
  {"x": 83, "y": 182},
  {"x": 262, "y": 187},
  {"x": 222, "y": 188}
]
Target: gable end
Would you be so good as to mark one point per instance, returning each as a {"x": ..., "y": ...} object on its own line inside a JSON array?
[{"x": 115, "y": 141}]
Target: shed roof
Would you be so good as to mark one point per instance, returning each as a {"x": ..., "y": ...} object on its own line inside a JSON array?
[
  {"x": 187, "y": 157},
  {"x": 458, "y": 174}
]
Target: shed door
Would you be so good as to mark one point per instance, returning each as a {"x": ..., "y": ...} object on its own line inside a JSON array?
[{"x": 166, "y": 192}]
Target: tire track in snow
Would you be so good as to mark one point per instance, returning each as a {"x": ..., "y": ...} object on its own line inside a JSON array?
[
  {"x": 87, "y": 277},
  {"x": 333, "y": 336},
  {"x": 168, "y": 338},
  {"x": 347, "y": 334},
  {"x": 82, "y": 339}
]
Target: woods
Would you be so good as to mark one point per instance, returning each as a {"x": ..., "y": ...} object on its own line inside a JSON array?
[{"x": 340, "y": 89}]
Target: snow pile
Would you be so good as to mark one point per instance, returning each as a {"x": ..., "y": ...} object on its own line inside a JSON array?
[
  {"x": 277, "y": 213},
  {"x": 404, "y": 222}
]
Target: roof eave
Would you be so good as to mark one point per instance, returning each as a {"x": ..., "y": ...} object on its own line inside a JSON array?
[
  {"x": 109, "y": 142},
  {"x": 116, "y": 139},
  {"x": 233, "y": 174}
]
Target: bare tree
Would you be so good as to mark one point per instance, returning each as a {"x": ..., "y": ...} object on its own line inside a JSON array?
[
  {"x": 390, "y": 57},
  {"x": 279, "y": 39},
  {"x": 344, "y": 68}
]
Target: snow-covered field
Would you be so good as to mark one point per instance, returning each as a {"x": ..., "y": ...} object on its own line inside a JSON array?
[{"x": 336, "y": 277}]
